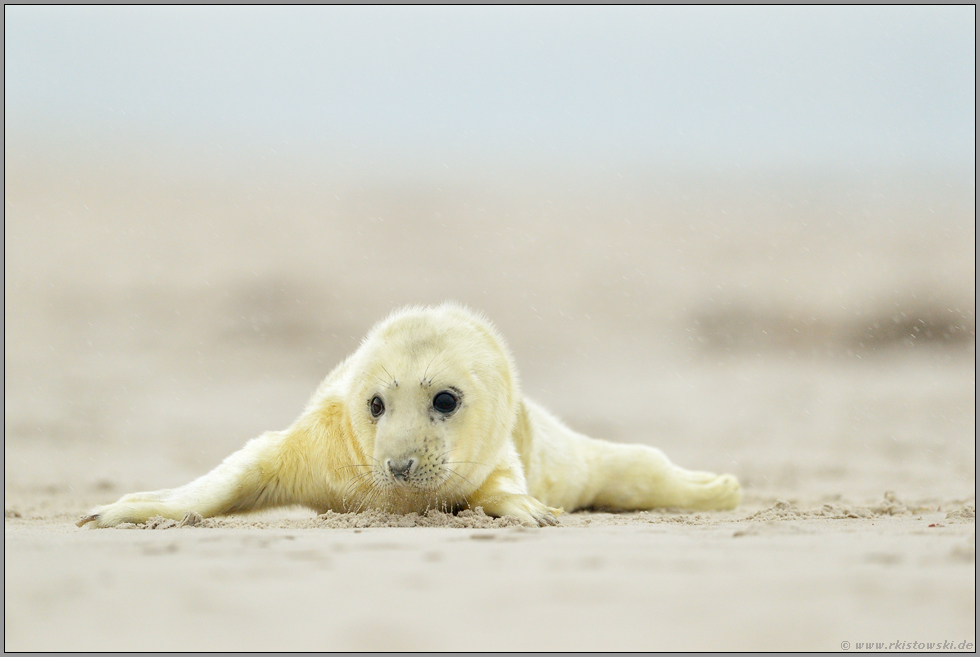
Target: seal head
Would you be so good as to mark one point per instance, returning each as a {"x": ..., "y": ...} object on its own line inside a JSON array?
[{"x": 433, "y": 405}]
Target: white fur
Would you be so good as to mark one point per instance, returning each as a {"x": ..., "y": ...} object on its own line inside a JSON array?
[{"x": 496, "y": 450}]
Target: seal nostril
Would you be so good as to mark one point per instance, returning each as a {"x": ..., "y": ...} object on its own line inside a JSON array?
[{"x": 401, "y": 468}]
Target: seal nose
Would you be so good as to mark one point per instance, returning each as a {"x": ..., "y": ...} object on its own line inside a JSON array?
[{"x": 400, "y": 468}]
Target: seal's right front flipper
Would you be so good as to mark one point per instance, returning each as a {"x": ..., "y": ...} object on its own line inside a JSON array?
[
  {"x": 126, "y": 510},
  {"x": 248, "y": 480}
]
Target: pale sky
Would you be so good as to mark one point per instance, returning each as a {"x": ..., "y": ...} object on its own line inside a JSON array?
[{"x": 677, "y": 85}]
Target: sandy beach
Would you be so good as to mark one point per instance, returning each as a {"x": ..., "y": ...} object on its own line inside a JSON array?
[{"x": 814, "y": 336}]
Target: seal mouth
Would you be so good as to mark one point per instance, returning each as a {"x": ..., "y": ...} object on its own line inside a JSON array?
[
  {"x": 405, "y": 488},
  {"x": 405, "y": 478},
  {"x": 411, "y": 473},
  {"x": 405, "y": 483},
  {"x": 412, "y": 484},
  {"x": 410, "y": 494}
]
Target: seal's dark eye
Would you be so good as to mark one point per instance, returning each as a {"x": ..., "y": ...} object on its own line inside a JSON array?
[
  {"x": 377, "y": 407},
  {"x": 445, "y": 402}
]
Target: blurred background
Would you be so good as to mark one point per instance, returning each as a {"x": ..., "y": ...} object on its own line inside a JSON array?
[{"x": 743, "y": 234}]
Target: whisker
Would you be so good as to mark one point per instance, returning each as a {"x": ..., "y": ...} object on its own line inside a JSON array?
[
  {"x": 353, "y": 465},
  {"x": 389, "y": 375},
  {"x": 458, "y": 496},
  {"x": 367, "y": 501},
  {"x": 424, "y": 377},
  {"x": 456, "y": 474},
  {"x": 358, "y": 484},
  {"x": 438, "y": 373}
]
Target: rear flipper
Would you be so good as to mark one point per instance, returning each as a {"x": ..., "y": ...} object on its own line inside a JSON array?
[
  {"x": 641, "y": 477},
  {"x": 570, "y": 470}
]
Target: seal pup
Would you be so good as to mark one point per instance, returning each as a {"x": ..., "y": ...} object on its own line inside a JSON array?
[{"x": 428, "y": 414}]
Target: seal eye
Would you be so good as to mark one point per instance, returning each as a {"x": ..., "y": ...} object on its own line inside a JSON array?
[
  {"x": 377, "y": 407},
  {"x": 445, "y": 402}
]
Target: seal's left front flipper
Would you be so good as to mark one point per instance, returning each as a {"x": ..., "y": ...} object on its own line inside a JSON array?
[{"x": 516, "y": 505}]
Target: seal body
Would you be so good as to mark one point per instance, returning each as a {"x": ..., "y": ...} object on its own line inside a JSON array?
[{"x": 428, "y": 413}]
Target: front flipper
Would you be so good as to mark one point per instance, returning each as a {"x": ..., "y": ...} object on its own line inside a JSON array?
[
  {"x": 524, "y": 507},
  {"x": 135, "y": 508},
  {"x": 248, "y": 480},
  {"x": 499, "y": 496}
]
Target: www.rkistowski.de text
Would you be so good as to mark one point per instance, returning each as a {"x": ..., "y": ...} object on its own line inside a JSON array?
[{"x": 908, "y": 645}]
